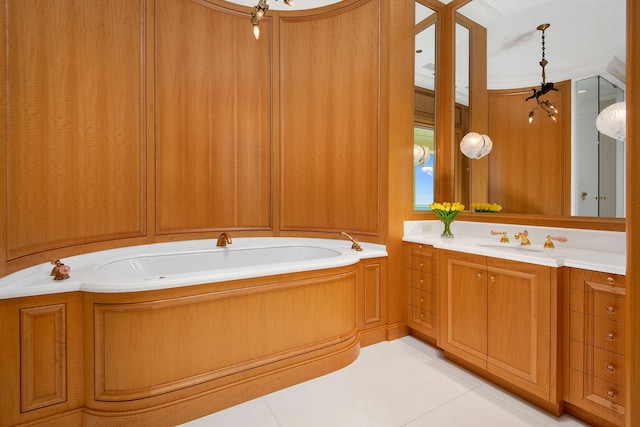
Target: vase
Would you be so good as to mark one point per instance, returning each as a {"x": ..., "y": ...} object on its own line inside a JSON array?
[{"x": 446, "y": 233}]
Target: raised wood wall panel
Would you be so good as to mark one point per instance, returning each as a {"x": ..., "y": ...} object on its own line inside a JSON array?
[
  {"x": 43, "y": 362},
  {"x": 213, "y": 135},
  {"x": 529, "y": 166},
  {"x": 146, "y": 349},
  {"x": 330, "y": 143},
  {"x": 373, "y": 292},
  {"x": 74, "y": 134}
]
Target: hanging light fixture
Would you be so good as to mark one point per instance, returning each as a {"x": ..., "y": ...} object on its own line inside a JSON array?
[
  {"x": 258, "y": 13},
  {"x": 546, "y": 105},
  {"x": 421, "y": 155},
  {"x": 475, "y": 146},
  {"x": 612, "y": 121}
]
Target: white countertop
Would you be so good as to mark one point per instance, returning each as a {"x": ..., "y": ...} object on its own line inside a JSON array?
[
  {"x": 87, "y": 276},
  {"x": 469, "y": 238}
]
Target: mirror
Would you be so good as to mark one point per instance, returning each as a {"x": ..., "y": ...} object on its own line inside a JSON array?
[
  {"x": 424, "y": 150},
  {"x": 574, "y": 51}
]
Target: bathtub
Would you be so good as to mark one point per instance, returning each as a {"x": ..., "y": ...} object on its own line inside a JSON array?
[{"x": 185, "y": 263}]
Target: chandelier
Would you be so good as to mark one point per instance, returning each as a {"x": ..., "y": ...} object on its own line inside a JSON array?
[
  {"x": 258, "y": 13},
  {"x": 546, "y": 105}
]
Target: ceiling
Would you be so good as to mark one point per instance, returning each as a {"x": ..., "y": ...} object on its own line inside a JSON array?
[{"x": 586, "y": 38}]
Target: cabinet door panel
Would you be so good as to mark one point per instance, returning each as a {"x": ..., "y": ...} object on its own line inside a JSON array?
[
  {"x": 464, "y": 317},
  {"x": 519, "y": 325}
]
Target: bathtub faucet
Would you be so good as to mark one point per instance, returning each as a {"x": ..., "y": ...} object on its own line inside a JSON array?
[
  {"x": 224, "y": 239},
  {"x": 356, "y": 246}
]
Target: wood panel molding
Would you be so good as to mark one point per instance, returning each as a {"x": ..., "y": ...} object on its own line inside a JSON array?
[
  {"x": 43, "y": 356},
  {"x": 203, "y": 338}
]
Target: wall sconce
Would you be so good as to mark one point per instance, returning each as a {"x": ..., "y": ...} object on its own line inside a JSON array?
[
  {"x": 258, "y": 13},
  {"x": 475, "y": 146},
  {"x": 546, "y": 105},
  {"x": 612, "y": 121},
  {"x": 421, "y": 155}
]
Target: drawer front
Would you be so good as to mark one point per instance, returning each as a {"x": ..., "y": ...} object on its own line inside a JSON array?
[
  {"x": 423, "y": 317},
  {"x": 608, "y": 366},
  {"x": 608, "y": 335},
  {"x": 608, "y": 392},
  {"x": 423, "y": 281},
  {"x": 423, "y": 300},
  {"x": 606, "y": 306},
  {"x": 423, "y": 264}
]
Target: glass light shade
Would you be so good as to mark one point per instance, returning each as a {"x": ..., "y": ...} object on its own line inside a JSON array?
[
  {"x": 612, "y": 121},
  {"x": 421, "y": 155},
  {"x": 475, "y": 146},
  {"x": 256, "y": 31}
]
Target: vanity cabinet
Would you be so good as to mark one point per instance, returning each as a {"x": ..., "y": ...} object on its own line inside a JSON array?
[
  {"x": 596, "y": 343},
  {"x": 501, "y": 316},
  {"x": 420, "y": 285}
]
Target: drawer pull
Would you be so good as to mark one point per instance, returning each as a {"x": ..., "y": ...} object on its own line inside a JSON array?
[
  {"x": 421, "y": 300},
  {"x": 611, "y": 394},
  {"x": 421, "y": 264},
  {"x": 611, "y": 368},
  {"x": 422, "y": 281},
  {"x": 611, "y": 336},
  {"x": 610, "y": 280},
  {"x": 420, "y": 246},
  {"x": 611, "y": 309},
  {"x": 422, "y": 316}
]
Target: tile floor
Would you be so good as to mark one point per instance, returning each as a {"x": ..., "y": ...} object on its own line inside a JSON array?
[{"x": 400, "y": 383}]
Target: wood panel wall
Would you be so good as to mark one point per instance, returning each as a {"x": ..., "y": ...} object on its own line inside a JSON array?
[
  {"x": 132, "y": 122},
  {"x": 530, "y": 164}
]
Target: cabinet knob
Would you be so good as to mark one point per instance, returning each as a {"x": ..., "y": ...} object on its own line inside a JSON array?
[
  {"x": 611, "y": 309},
  {"x": 611, "y": 336},
  {"x": 610, "y": 280},
  {"x": 420, "y": 246},
  {"x": 479, "y": 276},
  {"x": 422, "y": 316},
  {"x": 421, "y": 264},
  {"x": 422, "y": 281},
  {"x": 611, "y": 368},
  {"x": 421, "y": 300},
  {"x": 611, "y": 394},
  {"x": 492, "y": 278}
]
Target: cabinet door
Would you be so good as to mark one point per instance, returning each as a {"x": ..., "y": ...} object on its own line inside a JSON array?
[
  {"x": 519, "y": 324},
  {"x": 464, "y": 306}
]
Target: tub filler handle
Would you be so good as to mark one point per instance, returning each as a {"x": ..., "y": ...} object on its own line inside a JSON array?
[{"x": 355, "y": 246}]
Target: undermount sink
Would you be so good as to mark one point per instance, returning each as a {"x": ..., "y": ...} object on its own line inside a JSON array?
[{"x": 511, "y": 248}]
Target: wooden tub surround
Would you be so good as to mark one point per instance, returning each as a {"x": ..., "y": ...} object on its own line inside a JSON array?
[{"x": 164, "y": 357}]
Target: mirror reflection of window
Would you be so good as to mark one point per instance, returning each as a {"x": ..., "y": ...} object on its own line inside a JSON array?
[
  {"x": 424, "y": 105},
  {"x": 423, "y": 160}
]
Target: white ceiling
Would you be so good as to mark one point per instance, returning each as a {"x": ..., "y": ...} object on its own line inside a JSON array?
[{"x": 586, "y": 38}]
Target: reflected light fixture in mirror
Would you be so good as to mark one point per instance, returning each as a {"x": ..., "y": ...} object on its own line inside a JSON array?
[
  {"x": 259, "y": 10},
  {"x": 421, "y": 155},
  {"x": 546, "y": 105},
  {"x": 612, "y": 121},
  {"x": 475, "y": 145}
]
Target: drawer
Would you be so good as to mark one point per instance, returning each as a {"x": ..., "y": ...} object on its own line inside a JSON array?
[
  {"x": 597, "y": 362},
  {"x": 605, "y": 305},
  {"x": 422, "y": 280},
  {"x": 423, "y": 264},
  {"x": 423, "y": 300},
  {"x": 423, "y": 317},
  {"x": 608, "y": 392},
  {"x": 591, "y": 280},
  {"x": 607, "y": 334},
  {"x": 422, "y": 250}
]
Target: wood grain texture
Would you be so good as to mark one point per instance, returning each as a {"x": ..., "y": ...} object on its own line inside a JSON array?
[
  {"x": 75, "y": 98},
  {"x": 330, "y": 150},
  {"x": 529, "y": 166},
  {"x": 213, "y": 141}
]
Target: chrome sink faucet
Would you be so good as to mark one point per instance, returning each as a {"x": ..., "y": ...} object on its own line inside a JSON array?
[{"x": 224, "y": 239}]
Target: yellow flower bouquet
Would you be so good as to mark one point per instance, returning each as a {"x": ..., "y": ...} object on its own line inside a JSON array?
[
  {"x": 447, "y": 211},
  {"x": 486, "y": 207}
]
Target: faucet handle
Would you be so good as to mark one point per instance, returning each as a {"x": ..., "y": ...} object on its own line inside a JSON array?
[
  {"x": 504, "y": 238},
  {"x": 549, "y": 243}
]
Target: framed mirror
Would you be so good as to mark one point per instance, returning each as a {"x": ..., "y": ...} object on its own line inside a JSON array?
[{"x": 513, "y": 51}]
